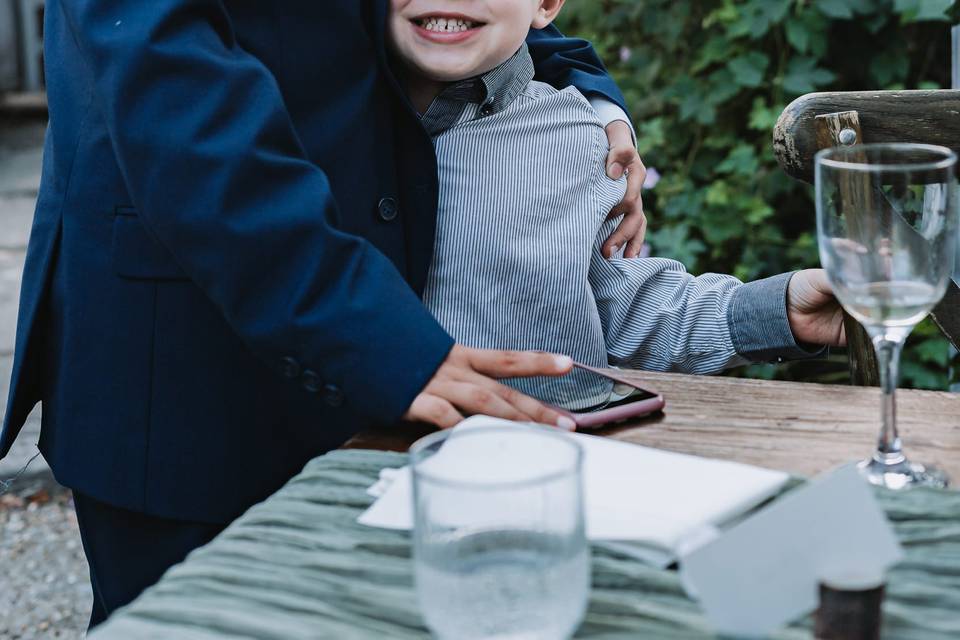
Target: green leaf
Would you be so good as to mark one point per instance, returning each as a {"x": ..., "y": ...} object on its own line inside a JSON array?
[
  {"x": 840, "y": 9},
  {"x": 762, "y": 117},
  {"x": 742, "y": 160},
  {"x": 804, "y": 75},
  {"x": 723, "y": 86},
  {"x": 674, "y": 242},
  {"x": 754, "y": 19},
  {"x": 935, "y": 350},
  {"x": 922, "y": 377},
  {"x": 920, "y": 10},
  {"x": 717, "y": 49},
  {"x": 889, "y": 67},
  {"x": 798, "y": 35},
  {"x": 748, "y": 70}
]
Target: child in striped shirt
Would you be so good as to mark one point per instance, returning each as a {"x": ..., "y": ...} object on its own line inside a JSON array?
[{"x": 524, "y": 198}]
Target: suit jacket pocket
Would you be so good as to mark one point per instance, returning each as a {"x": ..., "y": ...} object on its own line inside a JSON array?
[{"x": 136, "y": 254}]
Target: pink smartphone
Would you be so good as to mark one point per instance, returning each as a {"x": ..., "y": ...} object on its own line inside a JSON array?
[{"x": 627, "y": 401}]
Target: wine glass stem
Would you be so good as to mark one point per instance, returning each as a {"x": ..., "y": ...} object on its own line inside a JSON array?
[{"x": 888, "y": 355}]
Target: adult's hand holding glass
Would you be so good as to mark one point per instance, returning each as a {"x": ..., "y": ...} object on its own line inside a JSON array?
[{"x": 466, "y": 384}]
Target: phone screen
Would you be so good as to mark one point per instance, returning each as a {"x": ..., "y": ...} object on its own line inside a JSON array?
[
  {"x": 621, "y": 394},
  {"x": 584, "y": 390}
]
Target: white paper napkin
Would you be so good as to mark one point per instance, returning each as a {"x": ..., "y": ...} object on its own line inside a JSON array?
[{"x": 632, "y": 493}]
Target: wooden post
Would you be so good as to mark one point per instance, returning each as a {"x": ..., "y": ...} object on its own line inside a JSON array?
[{"x": 832, "y": 130}]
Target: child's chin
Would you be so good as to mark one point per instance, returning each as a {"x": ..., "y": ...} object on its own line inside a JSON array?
[{"x": 449, "y": 71}]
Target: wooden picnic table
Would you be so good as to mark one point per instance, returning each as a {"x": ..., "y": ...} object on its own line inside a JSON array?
[
  {"x": 797, "y": 427},
  {"x": 299, "y": 566}
]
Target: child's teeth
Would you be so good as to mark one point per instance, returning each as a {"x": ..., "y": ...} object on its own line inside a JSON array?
[{"x": 449, "y": 26}]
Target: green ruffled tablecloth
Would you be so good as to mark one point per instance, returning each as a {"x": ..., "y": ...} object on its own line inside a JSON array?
[{"x": 299, "y": 566}]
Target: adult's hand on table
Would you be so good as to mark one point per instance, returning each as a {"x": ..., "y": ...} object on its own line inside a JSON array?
[
  {"x": 465, "y": 384},
  {"x": 624, "y": 159},
  {"x": 814, "y": 313}
]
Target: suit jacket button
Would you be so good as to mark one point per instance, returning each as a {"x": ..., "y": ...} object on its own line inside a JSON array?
[
  {"x": 333, "y": 395},
  {"x": 290, "y": 368},
  {"x": 310, "y": 381},
  {"x": 388, "y": 209}
]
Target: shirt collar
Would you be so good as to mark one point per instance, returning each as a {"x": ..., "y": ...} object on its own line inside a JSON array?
[{"x": 490, "y": 93}]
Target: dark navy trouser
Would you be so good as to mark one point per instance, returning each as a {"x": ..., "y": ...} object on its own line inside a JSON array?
[{"x": 129, "y": 551}]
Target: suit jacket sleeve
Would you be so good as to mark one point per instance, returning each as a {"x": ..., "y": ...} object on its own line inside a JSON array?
[
  {"x": 563, "y": 62},
  {"x": 213, "y": 164}
]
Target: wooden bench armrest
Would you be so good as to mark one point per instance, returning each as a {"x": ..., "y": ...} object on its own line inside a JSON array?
[{"x": 931, "y": 117}]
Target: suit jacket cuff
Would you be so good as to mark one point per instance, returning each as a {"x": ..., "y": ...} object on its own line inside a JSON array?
[
  {"x": 759, "y": 327},
  {"x": 385, "y": 373}
]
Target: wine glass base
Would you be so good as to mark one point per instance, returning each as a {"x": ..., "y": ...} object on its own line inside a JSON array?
[{"x": 902, "y": 474}]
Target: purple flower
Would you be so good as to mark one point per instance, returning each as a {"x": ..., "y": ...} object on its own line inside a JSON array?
[
  {"x": 625, "y": 54},
  {"x": 653, "y": 177}
]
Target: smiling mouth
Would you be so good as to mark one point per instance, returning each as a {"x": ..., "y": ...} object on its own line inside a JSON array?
[{"x": 446, "y": 25}]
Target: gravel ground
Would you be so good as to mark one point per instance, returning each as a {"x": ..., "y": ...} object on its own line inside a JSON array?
[{"x": 44, "y": 584}]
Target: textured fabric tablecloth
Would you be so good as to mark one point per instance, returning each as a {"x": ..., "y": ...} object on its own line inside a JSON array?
[{"x": 299, "y": 566}]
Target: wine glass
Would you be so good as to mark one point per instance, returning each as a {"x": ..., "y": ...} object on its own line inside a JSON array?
[
  {"x": 500, "y": 547},
  {"x": 887, "y": 231}
]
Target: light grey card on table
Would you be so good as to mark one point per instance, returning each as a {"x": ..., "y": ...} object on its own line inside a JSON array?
[{"x": 764, "y": 572}]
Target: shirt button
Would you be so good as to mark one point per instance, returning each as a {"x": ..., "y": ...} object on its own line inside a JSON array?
[
  {"x": 290, "y": 368},
  {"x": 310, "y": 381},
  {"x": 387, "y": 208},
  {"x": 486, "y": 110},
  {"x": 332, "y": 395}
]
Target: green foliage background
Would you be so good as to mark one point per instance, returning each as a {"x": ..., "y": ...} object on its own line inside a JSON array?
[{"x": 706, "y": 80}]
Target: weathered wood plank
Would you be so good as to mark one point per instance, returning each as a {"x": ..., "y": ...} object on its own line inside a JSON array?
[
  {"x": 931, "y": 117},
  {"x": 829, "y": 129},
  {"x": 797, "y": 427}
]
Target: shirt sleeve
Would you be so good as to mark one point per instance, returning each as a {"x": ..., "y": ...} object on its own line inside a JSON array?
[
  {"x": 658, "y": 317},
  {"x": 759, "y": 326}
]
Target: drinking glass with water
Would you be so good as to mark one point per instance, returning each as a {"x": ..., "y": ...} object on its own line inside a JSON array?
[{"x": 500, "y": 548}]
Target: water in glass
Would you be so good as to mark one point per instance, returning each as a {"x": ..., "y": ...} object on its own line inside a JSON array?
[
  {"x": 500, "y": 549},
  {"x": 516, "y": 585}
]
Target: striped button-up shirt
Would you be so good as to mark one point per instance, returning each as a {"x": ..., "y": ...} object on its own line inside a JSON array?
[{"x": 524, "y": 199}]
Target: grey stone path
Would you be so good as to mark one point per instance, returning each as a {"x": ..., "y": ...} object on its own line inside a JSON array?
[
  {"x": 20, "y": 157},
  {"x": 44, "y": 587}
]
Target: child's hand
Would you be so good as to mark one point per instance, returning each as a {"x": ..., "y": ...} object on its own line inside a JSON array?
[
  {"x": 624, "y": 159},
  {"x": 465, "y": 385},
  {"x": 814, "y": 313}
]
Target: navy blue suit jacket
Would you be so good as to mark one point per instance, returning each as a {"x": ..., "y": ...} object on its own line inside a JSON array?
[{"x": 235, "y": 218}]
